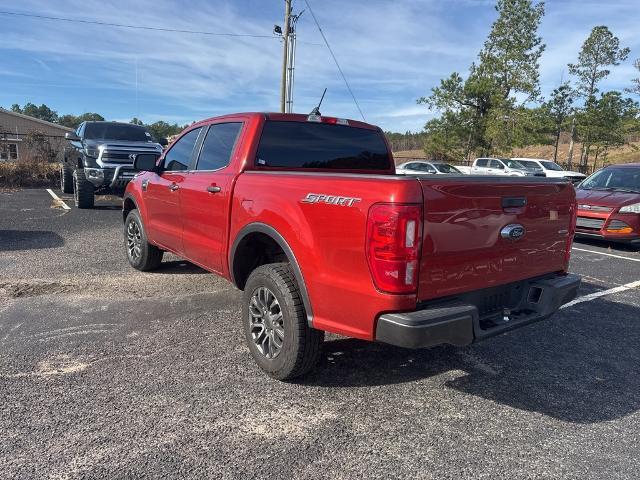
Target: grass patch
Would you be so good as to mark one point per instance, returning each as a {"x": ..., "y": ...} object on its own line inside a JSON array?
[{"x": 29, "y": 174}]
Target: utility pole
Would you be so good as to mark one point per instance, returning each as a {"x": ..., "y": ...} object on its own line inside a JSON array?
[{"x": 285, "y": 57}]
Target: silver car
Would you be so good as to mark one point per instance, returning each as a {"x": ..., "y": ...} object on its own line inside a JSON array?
[{"x": 422, "y": 167}]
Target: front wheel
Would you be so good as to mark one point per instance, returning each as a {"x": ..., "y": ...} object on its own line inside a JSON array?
[
  {"x": 66, "y": 179},
  {"x": 83, "y": 195},
  {"x": 275, "y": 323},
  {"x": 140, "y": 253}
]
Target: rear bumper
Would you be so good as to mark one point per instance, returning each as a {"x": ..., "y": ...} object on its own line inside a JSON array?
[{"x": 460, "y": 322}]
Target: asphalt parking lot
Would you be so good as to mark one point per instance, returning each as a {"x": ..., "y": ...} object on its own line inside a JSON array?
[{"x": 106, "y": 372}]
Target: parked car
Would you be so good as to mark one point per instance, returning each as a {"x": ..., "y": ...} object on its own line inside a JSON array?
[
  {"x": 423, "y": 167},
  {"x": 551, "y": 169},
  {"x": 609, "y": 204},
  {"x": 503, "y": 166},
  {"x": 99, "y": 159},
  {"x": 307, "y": 217},
  {"x": 465, "y": 169}
]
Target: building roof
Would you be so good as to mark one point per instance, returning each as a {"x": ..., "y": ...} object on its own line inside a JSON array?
[{"x": 36, "y": 120}]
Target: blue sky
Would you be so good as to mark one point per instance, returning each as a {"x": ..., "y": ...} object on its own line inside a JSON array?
[{"x": 392, "y": 52}]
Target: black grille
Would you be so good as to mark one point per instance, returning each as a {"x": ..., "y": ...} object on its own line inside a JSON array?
[
  {"x": 590, "y": 223},
  {"x": 116, "y": 156}
]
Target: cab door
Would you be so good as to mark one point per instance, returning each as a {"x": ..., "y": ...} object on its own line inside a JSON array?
[
  {"x": 163, "y": 196},
  {"x": 206, "y": 197}
]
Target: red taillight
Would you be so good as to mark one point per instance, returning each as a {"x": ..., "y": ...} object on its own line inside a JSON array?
[
  {"x": 394, "y": 239},
  {"x": 573, "y": 213}
]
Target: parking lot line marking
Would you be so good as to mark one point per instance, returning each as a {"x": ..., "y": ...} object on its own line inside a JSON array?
[
  {"x": 58, "y": 199},
  {"x": 607, "y": 254},
  {"x": 593, "y": 296}
]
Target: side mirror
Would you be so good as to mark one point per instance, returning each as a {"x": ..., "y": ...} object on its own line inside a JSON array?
[
  {"x": 145, "y": 162},
  {"x": 71, "y": 136},
  {"x": 163, "y": 141}
]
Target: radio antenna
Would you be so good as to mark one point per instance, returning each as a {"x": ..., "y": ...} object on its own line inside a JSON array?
[{"x": 316, "y": 110}]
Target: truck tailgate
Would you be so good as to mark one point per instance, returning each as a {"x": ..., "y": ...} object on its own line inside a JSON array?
[{"x": 463, "y": 248}]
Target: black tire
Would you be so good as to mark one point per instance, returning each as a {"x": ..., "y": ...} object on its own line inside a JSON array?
[
  {"x": 150, "y": 256},
  {"x": 66, "y": 179},
  {"x": 83, "y": 195},
  {"x": 300, "y": 348}
]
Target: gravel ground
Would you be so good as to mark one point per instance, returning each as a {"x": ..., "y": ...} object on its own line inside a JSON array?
[{"x": 106, "y": 372}]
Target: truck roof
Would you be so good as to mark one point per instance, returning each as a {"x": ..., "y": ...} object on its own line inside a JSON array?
[{"x": 287, "y": 117}]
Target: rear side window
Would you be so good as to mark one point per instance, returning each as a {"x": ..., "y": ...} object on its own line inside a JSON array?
[
  {"x": 497, "y": 164},
  {"x": 481, "y": 162},
  {"x": 218, "y": 146},
  {"x": 179, "y": 157},
  {"x": 321, "y": 145}
]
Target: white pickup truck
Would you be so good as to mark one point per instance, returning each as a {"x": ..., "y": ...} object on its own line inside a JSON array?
[
  {"x": 503, "y": 166},
  {"x": 551, "y": 169}
]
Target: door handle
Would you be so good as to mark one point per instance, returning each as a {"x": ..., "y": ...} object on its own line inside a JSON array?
[
  {"x": 174, "y": 187},
  {"x": 213, "y": 189}
]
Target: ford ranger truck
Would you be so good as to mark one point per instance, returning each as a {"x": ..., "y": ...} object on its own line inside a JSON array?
[{"x": 306, "y": 215}]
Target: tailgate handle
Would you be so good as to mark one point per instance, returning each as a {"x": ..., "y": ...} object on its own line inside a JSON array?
[{"x": 514, "y": 202}]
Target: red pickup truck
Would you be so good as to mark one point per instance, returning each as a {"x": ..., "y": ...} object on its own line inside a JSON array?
[{"x": 306, "y": 215}]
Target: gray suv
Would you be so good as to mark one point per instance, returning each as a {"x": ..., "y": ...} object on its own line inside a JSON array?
[{"x": 99, "y": 159}]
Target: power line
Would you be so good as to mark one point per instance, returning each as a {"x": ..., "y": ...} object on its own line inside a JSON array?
[
  {"x": 335, "y": 59},
  {"x": 139, "y": 27}
]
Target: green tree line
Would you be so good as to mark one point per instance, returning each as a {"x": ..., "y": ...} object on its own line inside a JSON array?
[
  {"x": 497, "y": 106},
  {"x": 159, "y": 129}
]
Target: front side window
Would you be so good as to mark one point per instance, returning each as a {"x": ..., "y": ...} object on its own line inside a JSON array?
[
  {"x": 179, "y": 157},
  {"x": 530, "y": 164},
  {"x": 322, "y": 146},
  {"x": 497, "y": 164},
  {"x": 218, "y": 146}
]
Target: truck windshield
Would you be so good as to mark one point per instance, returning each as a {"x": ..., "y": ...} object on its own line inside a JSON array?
[
  {"x": 551, "y": 166},
  {"x": 529, "y": 165},
  {"x": 116, "y": 131},
  {"x": 320, "y": 145}
]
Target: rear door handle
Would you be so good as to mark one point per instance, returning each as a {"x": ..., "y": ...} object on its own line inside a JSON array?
[
  {"x": 213, "y": 189},
  {"x": 174, "y": 187}
]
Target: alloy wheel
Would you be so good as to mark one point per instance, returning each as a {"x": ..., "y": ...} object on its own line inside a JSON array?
[
  {"x": 266, "y": 322},
  {"x": 134, "y": 241}
]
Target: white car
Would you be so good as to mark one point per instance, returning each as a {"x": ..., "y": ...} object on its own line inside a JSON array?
[
  {"x": 422, "y": 167},
  {"x": 505, "y": 167},
  {"x": 551, "y": 169}
]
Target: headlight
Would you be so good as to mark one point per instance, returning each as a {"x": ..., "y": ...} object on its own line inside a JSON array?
[
  {"x": 635, "y": 208},
  {"x": 91, "y": 152}
]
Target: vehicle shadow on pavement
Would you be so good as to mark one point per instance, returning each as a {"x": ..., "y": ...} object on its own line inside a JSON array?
[
  {"x": 179, "y": 267},
  {"x": 579, "y": 367},
  {"x": 14, "y": 240},
  {"x": 615, "y": 247}
]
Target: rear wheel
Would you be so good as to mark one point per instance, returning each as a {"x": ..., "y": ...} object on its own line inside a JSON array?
[
  {"x": 66, "y": 179},
  {"x": 140, "y": 253},
  {"x": 275, "y": 323},
  {"x": 83, "y": 195}
]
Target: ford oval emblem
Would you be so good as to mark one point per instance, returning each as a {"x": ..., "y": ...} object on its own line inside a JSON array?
[{"x": 513, "y": 231}]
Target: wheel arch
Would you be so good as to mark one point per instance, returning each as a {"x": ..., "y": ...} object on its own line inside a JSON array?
[{"x": 242, "y": 244}]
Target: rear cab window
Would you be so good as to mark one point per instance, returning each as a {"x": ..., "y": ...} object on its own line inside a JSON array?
[{"x": 312, "y": 145}]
